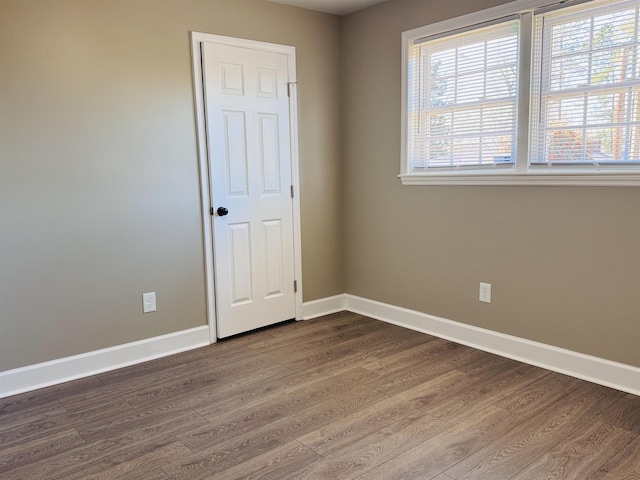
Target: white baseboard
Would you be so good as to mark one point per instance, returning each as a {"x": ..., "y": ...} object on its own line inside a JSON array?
[
  {"x": 593, "y": 369},
  {"x": 324, "y": 306},
  {"x": 40, "y": 375},
  {"x": 586, "y": 367}
]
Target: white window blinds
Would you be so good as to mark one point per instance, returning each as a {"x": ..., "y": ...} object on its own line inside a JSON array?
[
  {"x": 462, "y": 97},
  {"x": 586, "y": 86}
]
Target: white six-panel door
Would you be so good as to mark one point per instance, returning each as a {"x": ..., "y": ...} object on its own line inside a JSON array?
[{"x": 249, "y": 150}]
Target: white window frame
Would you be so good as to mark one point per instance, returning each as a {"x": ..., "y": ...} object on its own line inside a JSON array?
[{"x": 520, "y": 174}]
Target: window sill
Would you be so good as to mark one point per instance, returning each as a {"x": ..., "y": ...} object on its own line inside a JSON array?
[{"x": 609, "y": 179}]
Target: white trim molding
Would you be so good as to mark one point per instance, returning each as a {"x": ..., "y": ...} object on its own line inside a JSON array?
[
  {"x": 324, "y": 306},
  {"x": 62, "y": 370},
  {"x": 586, "y": 367},
  {"x": 608, "y": 179}
]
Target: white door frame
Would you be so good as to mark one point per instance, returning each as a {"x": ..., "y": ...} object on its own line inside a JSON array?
[{"x": 205, "y": 194}]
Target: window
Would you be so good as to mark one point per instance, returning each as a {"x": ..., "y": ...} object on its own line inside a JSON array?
[
  {"x": 525, "y": 93},
  {"x": 463, "y": 98},
  {"x": 587, "y": 82}
]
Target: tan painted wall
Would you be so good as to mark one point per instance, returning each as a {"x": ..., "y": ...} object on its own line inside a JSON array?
[
  {"x": 564, "y": 262},
  {"x": 99, "y": 186}
]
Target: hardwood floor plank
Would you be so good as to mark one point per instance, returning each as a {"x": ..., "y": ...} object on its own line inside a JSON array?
[
  {"x": 245, "y": 392},
  {"x": 430, "y": 458},
  {"x": 161, "y": 365},
  {"x": 486, "y": 390},
  {"x": 589, "y": 448},
  {"x": 39, "y": 448},
  {"x": 363, "y": 358},
  {"x": 306, "y": 358},
  {"x": 395, "y": 344},
  {"x": 436, "y": 350},
  {"x": 362, "y": 456},
  {"x": 94, "y": 458},
  {"x": 344, "y": 432},
  {"x": 167, "y": 379},
  {"x": 282, "y": 347},
  {"x": 539, "y": 394},
  {"x": 624, "y": 413},
  {"x": 145, "y": 465},
  {"x": 203, "y": 387},
  {"x": 624, "y": 466},
  {"x": 299, "y": 332},
  {"x": 19, "y": 405},
  {"x": 280, "y": 405},
  {"x": 431, "y": 364},
  {"x": 482, "y": 362},
  {"x": 297, "y": 420},
  {"x": 508, "y": 455},
  {"x": 135, "y": 463},
  {"x": 201, "y": 380},
  {"x": 333, "y": 366},
  {"x": 38, "y": 418},
  {"x": 211, "y": 461},
  {"x": 160, "y": 421},
  {"x": 34, "y": 430},
  {"x": 275, "y": 464},
  {"x": 148, "y": 475},
  {"x": 311, "y": 327},
  {"x": 98, "y": 412},
  {"x": 375, "y": 341}
]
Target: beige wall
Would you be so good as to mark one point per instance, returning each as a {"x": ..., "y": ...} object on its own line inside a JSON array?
[
  {"x": 564, "y": 262},
  {"x": 99, "y": 186}
]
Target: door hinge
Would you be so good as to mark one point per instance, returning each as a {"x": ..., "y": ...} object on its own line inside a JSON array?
[
  {"x": 289, "y": 84},
  {"x": 291, "y": 191},
  {"x": 295, "y": 286}
]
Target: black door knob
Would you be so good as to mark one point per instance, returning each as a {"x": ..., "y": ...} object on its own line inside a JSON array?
[{"x": 222, "y": 211}]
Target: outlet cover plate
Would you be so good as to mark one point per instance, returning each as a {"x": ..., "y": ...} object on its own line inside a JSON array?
[
  {"x": 485, "y": 292},
  {"x": 148, "y": 302}
]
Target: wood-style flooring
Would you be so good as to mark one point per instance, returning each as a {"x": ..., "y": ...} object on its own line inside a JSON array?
[{"x": 339, "y": 397}]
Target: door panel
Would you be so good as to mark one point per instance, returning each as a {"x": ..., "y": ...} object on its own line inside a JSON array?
[
  {"x": 240, "y": 263},
  {"x": 235, "y": 153},
  {"x": 273, "y": 251},
  {"x": 269, "y": 154},
  {"x": 248, "y": 136}
]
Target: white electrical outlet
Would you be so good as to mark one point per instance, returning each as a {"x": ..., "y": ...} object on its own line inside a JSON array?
[
  {"x": 485, "y": 292},
  {"x": 148, "y": 302}
]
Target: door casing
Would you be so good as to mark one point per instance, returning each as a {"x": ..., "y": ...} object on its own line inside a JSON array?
[{"x": 197, "y": 39}]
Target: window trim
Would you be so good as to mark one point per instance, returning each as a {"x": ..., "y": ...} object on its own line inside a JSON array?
[{"x": 520, "y": 174}]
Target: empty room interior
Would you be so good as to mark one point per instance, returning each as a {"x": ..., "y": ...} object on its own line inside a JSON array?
[{"x": 456, "y": 255}]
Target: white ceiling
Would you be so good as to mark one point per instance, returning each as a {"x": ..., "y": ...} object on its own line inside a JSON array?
[{"x": 336, "y": 7}]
